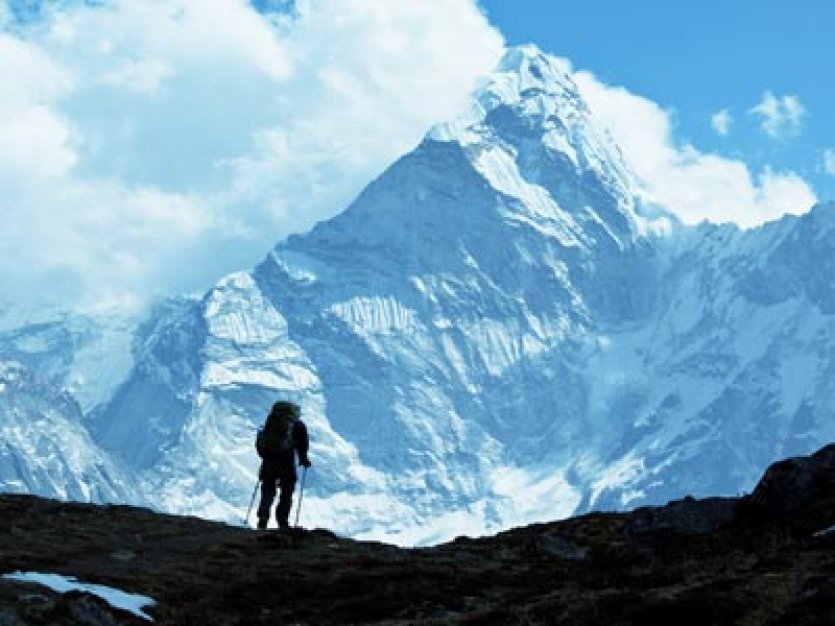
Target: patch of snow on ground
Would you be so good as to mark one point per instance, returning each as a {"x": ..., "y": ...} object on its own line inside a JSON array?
[{"x": 131, "y": 602}]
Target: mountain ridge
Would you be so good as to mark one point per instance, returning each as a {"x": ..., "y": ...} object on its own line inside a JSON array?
[
  {"x": 764, "y": 558},
  {"x": 495, "y": 332}
]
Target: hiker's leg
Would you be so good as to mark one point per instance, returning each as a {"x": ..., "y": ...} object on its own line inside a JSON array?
[
  {"x": 268, "y": 480},
  {"x": 287, "y": 483}
]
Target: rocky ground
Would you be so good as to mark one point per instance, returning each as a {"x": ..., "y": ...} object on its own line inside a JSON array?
[{"x": 761, "y": 559}]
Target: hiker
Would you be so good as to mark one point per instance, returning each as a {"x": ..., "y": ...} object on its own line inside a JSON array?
[{"x": 283, "y": 437}]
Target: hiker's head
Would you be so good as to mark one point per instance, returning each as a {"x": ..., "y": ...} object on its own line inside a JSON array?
[{"x": 282, "y": 408}]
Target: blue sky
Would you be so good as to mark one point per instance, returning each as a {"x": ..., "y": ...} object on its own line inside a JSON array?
[
  {"x": 150, "y": 147},
  {"x": 699, "y": 58}
]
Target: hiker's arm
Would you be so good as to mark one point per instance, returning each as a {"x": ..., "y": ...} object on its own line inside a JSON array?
[{"x": 301, "y": 442}]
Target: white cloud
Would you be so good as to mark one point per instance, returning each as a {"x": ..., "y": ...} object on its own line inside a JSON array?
[
  {"x": 695, "y": 186},
  {"x": 829, "y": 161},
  {"x": 779, "y": 116},
  {"x": 721, "y": 122},
  {"x": 155, "y": 145},
  {"x": 152, "y": 146},
  {"x": 33, "y": 138}
]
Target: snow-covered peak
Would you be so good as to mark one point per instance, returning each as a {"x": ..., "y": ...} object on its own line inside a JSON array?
[
  {"x": 527, "y": 68},
  {"x": 537, "y": 83},
  {"x": 530, "y": 134},
  {"x": 525, "y": 72},
  {"x": 483, "y": 338}
]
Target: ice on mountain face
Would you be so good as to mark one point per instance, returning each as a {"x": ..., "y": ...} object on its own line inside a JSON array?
[
  {"x": 69, "y": 349},
  {"x": 248, "y": 361},
  {"x": 431, "y": 332},
  {"x": 736, "y": 371},
  {"x": 531, "y": 109},
  {"x": 45, "y": 448},
  {"x": 495, "y": 332},
  {"x": 109, "y": 341},
  {"x": 146, "y": 414},
  {"x": 57, "y": 366}
]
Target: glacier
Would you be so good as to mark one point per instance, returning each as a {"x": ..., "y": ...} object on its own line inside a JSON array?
[{"x": 497, "y": 331}]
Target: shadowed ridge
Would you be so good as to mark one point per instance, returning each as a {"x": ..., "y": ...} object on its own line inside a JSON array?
[{"x": 714, "y": 561}]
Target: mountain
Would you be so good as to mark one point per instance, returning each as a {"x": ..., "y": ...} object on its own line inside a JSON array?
[
  {"x": 497, "y": 331},
  {"x": 414, "y": 327},
  {"x": 49, "y": 375},
  {"x": 45, "y": 448},
  {"x": 762, "y": 559},
  {"x": 731, "y": 370}
]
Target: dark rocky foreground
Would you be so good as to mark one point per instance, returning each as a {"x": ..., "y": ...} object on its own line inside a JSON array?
[{"x": 760, "y": 559}]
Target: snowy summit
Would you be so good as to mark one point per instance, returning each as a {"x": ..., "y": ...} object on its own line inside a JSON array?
[{"x": 495, "y": 332}]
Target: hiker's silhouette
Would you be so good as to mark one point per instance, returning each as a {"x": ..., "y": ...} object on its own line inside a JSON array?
[{"x": 283, "y": 437}]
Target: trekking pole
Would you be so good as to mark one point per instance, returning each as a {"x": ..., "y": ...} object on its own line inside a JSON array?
[
  {"x": 252, "y": 501},
  {"x": 301, "y": 497}
]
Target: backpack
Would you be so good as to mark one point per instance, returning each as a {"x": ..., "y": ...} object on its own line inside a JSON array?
[{"x": 275, "y": 438}]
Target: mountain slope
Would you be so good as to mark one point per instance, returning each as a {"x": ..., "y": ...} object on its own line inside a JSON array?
[
  {"x": 45, "y": 449},
  {"x": 415, "y": 325},
  {"x": 495, "y": 332},
  {"x": 51, "y": 375},
  {"x": 730, "y": 373},
  {"x": 763, "y": 559}
]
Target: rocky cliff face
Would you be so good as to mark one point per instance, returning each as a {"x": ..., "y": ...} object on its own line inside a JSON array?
[{"x": 495, "y": 332}]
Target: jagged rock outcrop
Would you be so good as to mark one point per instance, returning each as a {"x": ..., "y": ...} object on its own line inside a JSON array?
[{"x": 801, "y": 490}]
